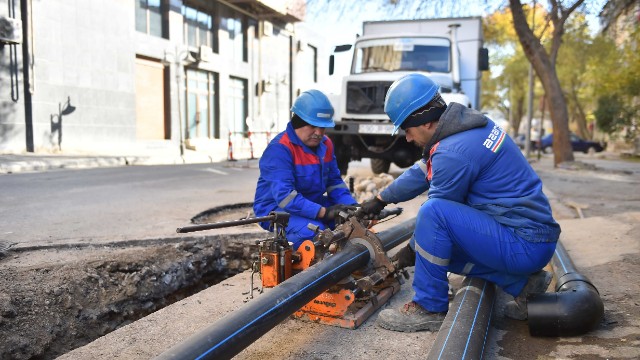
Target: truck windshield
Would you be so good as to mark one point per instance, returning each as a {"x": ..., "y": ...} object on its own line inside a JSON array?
[{"x": 402, "y": 54}]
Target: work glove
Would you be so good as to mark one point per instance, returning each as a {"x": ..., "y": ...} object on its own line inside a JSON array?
[
  {"x": 332, "y": 211},
  {"x": 404, "y": 258},
  {"x": 372, "y": 207}
]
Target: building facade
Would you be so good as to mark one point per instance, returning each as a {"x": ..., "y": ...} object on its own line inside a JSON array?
[{"x": 122, "y": 76}]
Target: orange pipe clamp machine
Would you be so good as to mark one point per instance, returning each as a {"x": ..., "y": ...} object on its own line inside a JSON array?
[{"x": 349, "y": 302}]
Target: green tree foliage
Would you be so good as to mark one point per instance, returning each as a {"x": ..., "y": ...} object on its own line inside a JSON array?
[
  {"x": 508, "y": 90},
  {"x": 573, "y": 60},
  {"x": 616, "y": 86}
]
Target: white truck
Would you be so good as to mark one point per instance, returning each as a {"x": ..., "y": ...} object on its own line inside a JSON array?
[{"x": 449, "y": 50}]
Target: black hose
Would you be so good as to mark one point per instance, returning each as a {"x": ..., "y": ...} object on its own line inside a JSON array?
[{"x": 237, "y": 330}]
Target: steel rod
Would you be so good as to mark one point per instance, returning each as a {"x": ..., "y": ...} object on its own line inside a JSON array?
[{"x": 230, "y": 223}]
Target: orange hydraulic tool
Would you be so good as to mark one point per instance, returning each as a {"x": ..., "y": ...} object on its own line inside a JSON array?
[
  {"x": 276, "y": 255},
  {"x": 349, "y": 303}
]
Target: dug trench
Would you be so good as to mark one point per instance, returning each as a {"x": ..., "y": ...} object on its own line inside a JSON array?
[{"x": 57, "y": 298}]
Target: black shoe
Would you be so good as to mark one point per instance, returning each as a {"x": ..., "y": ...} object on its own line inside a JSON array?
[{"x": 538, "y": 283}]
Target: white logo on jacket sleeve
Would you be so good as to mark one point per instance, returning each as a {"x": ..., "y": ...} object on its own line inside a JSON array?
[{"x": 495, "y": 139}]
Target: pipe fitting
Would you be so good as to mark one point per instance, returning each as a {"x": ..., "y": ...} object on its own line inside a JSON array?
[{"x": 574, "y": 309}]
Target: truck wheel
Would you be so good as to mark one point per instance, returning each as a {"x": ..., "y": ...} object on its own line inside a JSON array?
[{"x": 379, "y": 166}]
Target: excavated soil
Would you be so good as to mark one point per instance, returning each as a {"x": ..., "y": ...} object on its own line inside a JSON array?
[{"x": 56, "y": 299}]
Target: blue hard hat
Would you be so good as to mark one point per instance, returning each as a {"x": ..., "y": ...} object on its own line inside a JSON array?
[
  {"x": 406, "y": 95},
  {"x": 314, "y": 108}
]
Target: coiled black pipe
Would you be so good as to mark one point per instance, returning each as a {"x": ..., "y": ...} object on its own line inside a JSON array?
[
  {"x": 463, "y": 333},
  {"x": 237, "y": 330},
  {"x": 574, "y": 309}
]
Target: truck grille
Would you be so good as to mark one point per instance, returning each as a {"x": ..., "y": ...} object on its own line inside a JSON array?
[{"x": 366, "y": 97}]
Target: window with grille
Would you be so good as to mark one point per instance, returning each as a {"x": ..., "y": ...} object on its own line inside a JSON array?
[
  {"x": 233, "y": 34},
  {"x": 199, "y": 28},
  {"x": 238, "y": 106},
  {"x": 202, "y": 105},
  {"x": 149, "y": 17}
]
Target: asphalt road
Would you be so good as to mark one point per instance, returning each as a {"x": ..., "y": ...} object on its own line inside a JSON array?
[{"x": 115, "y": 203}]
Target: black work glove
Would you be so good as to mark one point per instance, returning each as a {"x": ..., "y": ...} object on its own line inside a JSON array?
[
  {"x": 372, "y": 207},
  {"x": 332, "y": 211},
  {"x": 404, "y": 258}
]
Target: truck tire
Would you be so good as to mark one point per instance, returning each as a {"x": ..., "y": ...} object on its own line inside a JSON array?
[{"x": 379, "y": 166}]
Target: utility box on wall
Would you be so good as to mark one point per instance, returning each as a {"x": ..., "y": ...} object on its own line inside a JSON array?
[{"x": 10, "y": 30}]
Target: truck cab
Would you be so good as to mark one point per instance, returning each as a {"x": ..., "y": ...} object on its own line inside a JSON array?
[{"x": 387, "y": 51}]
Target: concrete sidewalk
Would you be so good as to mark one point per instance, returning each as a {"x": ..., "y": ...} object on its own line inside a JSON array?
[{"x": 19, "y": 163}]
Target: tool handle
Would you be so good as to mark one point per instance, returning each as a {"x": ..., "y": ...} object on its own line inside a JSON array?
[
  {"x": 280, "y": 217},
  {"x": 388, "y": 212}
]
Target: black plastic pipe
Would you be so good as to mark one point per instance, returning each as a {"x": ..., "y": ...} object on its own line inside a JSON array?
[
  {"x": 463, "y": 333},
  {"x": 574, "y": 309},
  {"x": 237, "y": 330}
]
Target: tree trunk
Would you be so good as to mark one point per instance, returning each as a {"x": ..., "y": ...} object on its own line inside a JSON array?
[
  {"x": 579, "y": 116},
  {"x": 545, "y": 69},
  {"x": 562, "y": 150}
]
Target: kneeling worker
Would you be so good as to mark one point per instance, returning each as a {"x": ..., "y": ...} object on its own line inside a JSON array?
[
  {"x": 485, "y": 216},
  {"x": 299, "y": 167}
]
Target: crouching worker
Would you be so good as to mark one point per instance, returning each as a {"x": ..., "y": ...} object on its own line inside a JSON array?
[
  {"x": 299, "y": 173},
  {"x": 485, "y": 215}
]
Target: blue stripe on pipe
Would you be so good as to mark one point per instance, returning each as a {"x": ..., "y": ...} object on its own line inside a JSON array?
[
  {"x": 475, "y": 317},
  {"x": 486, "y": 334},
  {"x": 473, "y": 323},
  {"x": 452, "y": 324},
  {"x": 277, "y": 306},
  {"x": 564, "y": 268}
]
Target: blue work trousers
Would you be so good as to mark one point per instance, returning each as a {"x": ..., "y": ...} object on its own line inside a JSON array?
[
  {"x": 453, "y": 237},
  {"x": 298, "y": 230}
]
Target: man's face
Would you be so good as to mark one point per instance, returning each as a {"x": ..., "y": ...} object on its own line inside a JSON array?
[
  {"x": 421, "y": 134},
  {"x": 310, "y": 135}
]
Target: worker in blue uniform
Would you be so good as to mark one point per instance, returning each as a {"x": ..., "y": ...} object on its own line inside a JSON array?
[
  {"x": 485, "y": 215},
  {"x": 299, "y": 173}
]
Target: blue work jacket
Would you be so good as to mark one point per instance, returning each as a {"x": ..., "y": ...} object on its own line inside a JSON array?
[
  {"x": 295, "y": 178},
  {"x": 473, "y": 161}
]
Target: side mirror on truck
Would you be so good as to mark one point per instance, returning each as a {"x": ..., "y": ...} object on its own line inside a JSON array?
[
  {"x": 332, "y": 58},
  {"x": 483, "y": 59}
]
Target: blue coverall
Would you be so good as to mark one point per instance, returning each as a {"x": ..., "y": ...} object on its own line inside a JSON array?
[
  {"x": 294, "y": 178},
  {"x": 485, "y": 216}
]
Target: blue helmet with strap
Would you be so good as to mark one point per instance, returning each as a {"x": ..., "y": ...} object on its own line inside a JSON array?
[
  {"x": 406, "y": 95},
  {"x": 314, "y": 108}
]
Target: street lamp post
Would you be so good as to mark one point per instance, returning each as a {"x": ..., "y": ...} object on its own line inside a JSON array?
[{"x": 179, "y": 58}]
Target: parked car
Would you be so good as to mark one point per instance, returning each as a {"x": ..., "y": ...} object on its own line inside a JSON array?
[
  {"x": 520, "y": 140},
  {"x": 577, "y": 143}
]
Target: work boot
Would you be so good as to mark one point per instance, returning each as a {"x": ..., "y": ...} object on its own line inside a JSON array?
[
  {"x": 412, "y": 317},
  {"x": 538, "y": 283},
  {"x": 404, "y": 258}
]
